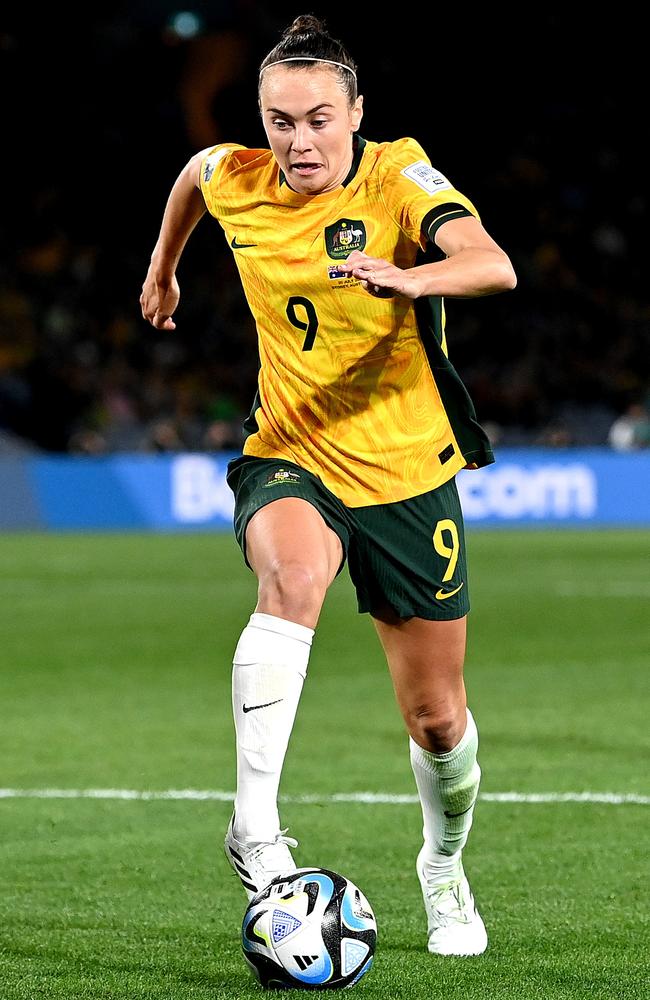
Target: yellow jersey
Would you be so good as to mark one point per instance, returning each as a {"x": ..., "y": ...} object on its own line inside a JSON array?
[{"x": 357, "y": 389}]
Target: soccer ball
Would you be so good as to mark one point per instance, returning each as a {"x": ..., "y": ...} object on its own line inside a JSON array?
[{"x": 312, "y": 929}]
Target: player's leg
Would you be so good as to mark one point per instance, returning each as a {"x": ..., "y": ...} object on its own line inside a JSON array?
[
  {"x": 409, "y": 567},
  {"x": 426, "y": 665},
  {"x": 295, "y": 555}
]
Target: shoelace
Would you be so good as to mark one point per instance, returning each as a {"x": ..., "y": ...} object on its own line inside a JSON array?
[
  {"x": 448, "y": 902},
  {"x": 278, "y": 839},
  {"x": 271, "y": 855}
]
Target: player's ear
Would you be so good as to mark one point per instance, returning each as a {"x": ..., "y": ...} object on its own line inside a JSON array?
[{"x": 356, "y": 113}]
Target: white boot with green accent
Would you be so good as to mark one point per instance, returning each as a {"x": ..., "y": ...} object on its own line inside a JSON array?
[{"x": 454, "y": 925}]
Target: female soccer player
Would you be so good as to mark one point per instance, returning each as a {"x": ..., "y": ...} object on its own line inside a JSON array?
[{"x": 346, "y": 249}]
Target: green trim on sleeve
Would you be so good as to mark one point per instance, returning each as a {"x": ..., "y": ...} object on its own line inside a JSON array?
[
  {"x": 472, "y": 439},
  {"x": 437, "y": 217}
]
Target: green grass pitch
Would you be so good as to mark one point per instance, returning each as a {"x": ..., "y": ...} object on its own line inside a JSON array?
[{"x": 115, "y": 658}]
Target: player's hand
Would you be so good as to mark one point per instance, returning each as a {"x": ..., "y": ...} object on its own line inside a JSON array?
[
  {"x": 159, "y": 300},
  {"x": 379, "y": 277}
]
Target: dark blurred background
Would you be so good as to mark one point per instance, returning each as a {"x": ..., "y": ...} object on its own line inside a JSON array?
[{"x": 539, "y": 119}]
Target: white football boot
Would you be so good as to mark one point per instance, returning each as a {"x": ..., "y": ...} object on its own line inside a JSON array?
[
  {"x": 454, "y": 925},
  {"x": 258, "y": 863}
]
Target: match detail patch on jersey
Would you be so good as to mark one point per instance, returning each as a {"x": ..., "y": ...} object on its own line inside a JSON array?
[
  {"x": 343, "y": 237},
  {"x": 426, "y": 177},
  {"x": 341, "y": 279}
]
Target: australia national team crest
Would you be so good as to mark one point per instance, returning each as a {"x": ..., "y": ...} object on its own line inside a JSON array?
[
  {"x": 281, "y": 478},
  {"x": 343, "y": 237}
]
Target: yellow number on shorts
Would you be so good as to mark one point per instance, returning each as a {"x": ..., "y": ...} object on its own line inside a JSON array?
[{"x": 449, "y": 552}]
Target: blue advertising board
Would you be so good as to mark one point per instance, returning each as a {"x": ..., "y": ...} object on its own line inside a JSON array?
[
  {"x": 188, "y": 492},
  {"x": 575, "y": 487}
]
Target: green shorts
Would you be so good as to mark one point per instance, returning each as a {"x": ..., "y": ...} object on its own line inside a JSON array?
[{"x": 408, "y": 555}]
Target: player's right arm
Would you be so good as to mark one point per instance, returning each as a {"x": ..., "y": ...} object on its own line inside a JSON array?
[{"x": 185, "y": 206}]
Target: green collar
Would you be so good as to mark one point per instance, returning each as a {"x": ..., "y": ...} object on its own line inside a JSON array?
[{"x": 358, "y": 144}]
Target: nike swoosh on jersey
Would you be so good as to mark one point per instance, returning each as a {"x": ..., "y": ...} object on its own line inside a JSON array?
[
  {"x": 252, "y": 708},
  {"x": 442, "y": 595},
  {"x": 241, "y": 246}
]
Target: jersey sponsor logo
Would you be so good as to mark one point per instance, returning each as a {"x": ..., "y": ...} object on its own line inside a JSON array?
[
  {"x": 241, "y": 246},
  {"x": 281, "y": 477},
  {"x": 442, "y": 595},
  {"x": 343, "y": 237},
  {"x": 426, "y": 177}
]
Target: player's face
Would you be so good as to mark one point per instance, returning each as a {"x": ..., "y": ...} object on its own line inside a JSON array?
[{"x": 309, "y": 124}]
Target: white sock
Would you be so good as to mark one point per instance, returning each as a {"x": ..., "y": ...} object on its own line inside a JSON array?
[
  {"x": 448, "y": 786},
  {"x": 269, "y": 667}
]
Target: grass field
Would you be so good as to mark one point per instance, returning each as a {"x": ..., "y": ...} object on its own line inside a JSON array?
[{"x": 115, "y": 674}]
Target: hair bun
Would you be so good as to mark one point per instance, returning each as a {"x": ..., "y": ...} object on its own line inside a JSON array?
[{"x": 306, "y": 24}]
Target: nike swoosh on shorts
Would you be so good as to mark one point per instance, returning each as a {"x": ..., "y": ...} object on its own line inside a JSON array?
[{"x": 442, "y": 595}]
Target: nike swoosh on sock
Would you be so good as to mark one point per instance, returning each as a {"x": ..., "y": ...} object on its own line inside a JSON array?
[{"x": 252, "y": 708}]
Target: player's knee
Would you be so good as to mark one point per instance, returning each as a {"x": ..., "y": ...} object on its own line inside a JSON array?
[
  {"x": 293, "y": 590},
  {"x": 437, "y": 726}
]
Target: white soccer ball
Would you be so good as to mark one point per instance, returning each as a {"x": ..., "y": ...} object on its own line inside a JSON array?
[{"x": 313, "y": 929}]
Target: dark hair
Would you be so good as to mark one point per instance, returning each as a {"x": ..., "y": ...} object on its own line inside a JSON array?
[{"x": 308, "y": 37}]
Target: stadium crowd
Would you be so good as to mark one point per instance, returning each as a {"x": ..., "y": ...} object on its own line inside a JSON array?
[{"x": 546, "y": 151}]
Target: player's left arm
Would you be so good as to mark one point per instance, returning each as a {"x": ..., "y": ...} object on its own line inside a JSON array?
[{"x": 474, "y": 265}]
